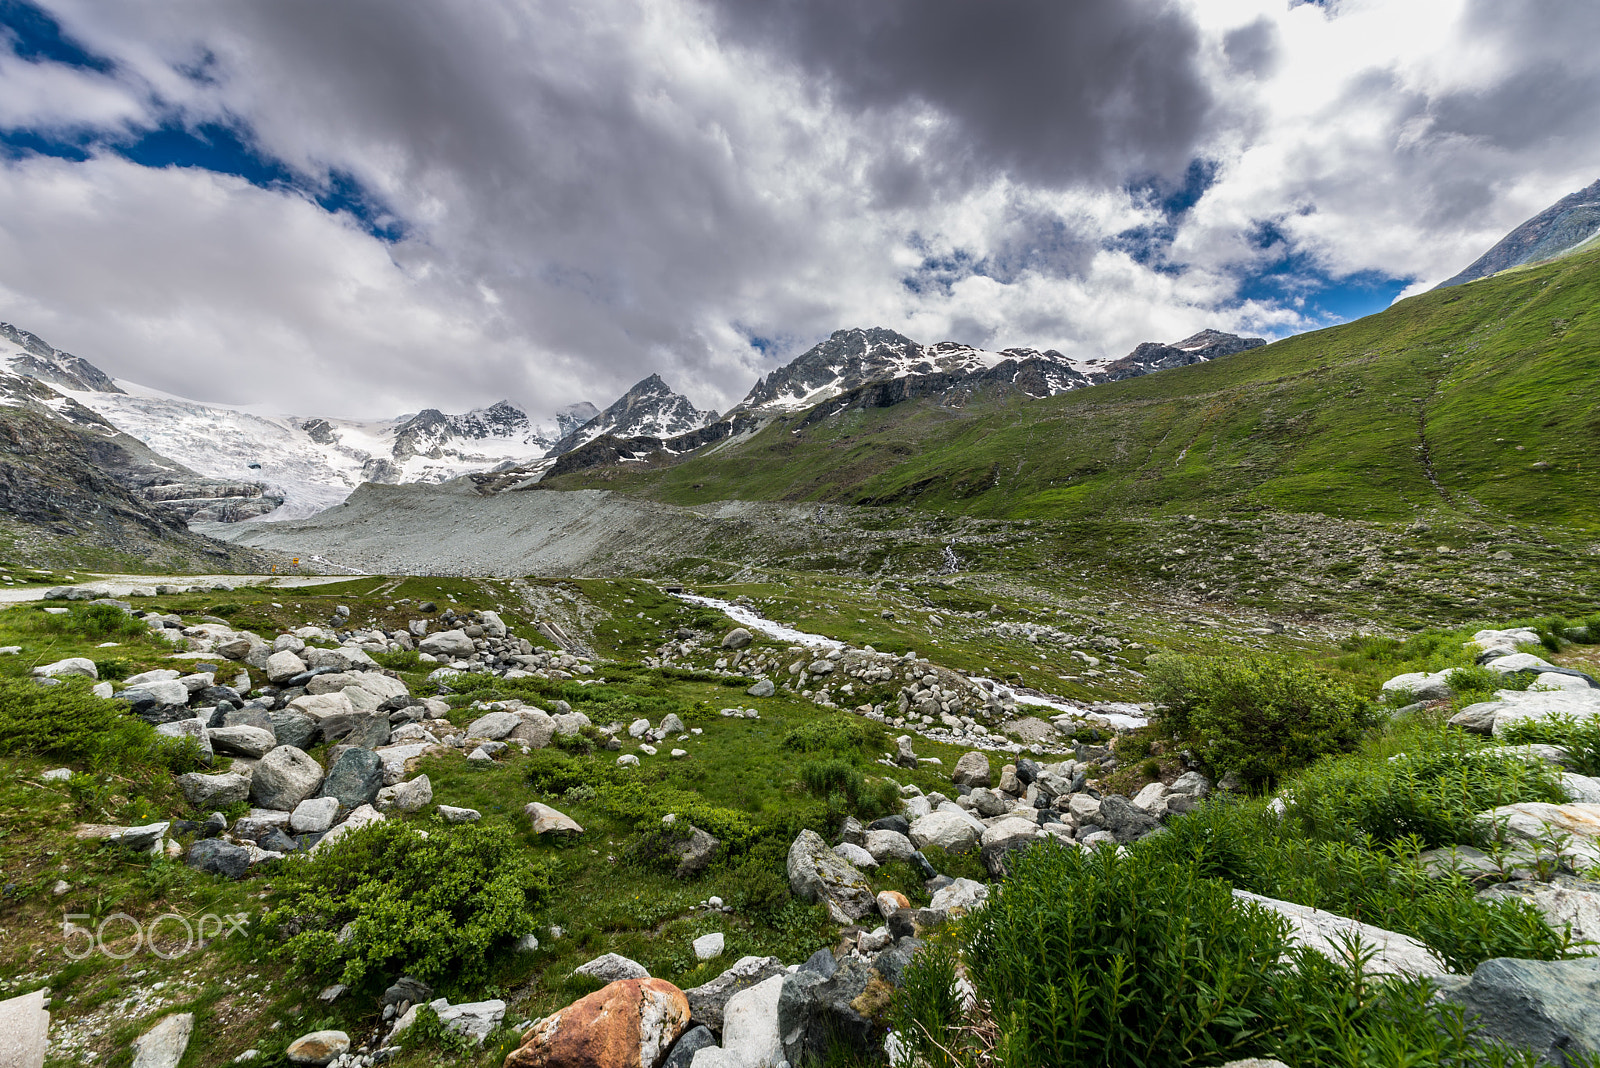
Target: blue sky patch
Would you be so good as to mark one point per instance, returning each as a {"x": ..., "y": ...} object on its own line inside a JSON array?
[
  {"x": 220, "y": 147},
  {"x": 36, "y": 36},
  {"x": 1295, "y": 279}
]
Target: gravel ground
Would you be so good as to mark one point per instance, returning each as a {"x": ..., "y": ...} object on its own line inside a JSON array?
[{"x": 451, "y": 529}]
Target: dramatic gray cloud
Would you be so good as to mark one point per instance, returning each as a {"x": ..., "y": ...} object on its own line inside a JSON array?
[
  {"x": 1052, "y": 93},
  {"x": 550, "y": 201}
]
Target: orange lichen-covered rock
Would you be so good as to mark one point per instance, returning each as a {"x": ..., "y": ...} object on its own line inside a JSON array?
[{"x": 631, "y": 1023}]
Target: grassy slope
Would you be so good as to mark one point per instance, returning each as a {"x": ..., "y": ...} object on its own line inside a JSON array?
[{"x": 1344, "y": 421}]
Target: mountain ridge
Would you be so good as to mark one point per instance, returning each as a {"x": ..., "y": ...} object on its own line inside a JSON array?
[{"x": 1564, "y": 226}]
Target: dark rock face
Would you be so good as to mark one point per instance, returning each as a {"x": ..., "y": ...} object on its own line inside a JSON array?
[
  {"x": 295, "y": 728},
  {"x": 1124, "y": 820},
  {"x": 689, "y": 1043},
  {"x": 355, "y": 778},
  {"x": 1545, "y": 1006},
  {"x": 815, "y": 1013},
  {"x": 1568, "y": 222},
  {"x": 219, "y": 858}
]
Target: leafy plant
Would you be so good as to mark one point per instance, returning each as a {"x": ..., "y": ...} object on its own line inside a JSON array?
[
  {"x": 1258, "y": 717},
  {"x": 846, "y": 791},
  {"x": 1579, "y": 737},
  {"x": 1092, "y": 958},
  {"x": 428, "y": 1032},
  {"x": 1389, "y": 886},
  {"x": 1433, "y": 790},
  {"x": 927, "y": 1009},
  {"x": 385, "y": 899},
  {"x": 842, "y": 736}
]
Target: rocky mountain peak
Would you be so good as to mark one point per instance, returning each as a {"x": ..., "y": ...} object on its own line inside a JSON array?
[
  {"x": 1572, "y": 221},
  {"x": 649, "y": 409},
  {"x": 1151, "y": 356},
  {"x": 32, "y": 356}
]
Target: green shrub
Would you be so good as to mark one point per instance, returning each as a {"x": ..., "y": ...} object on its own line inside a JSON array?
[
  {"x": 116, "y": 667},
  {"x": 70, "y": 724},
  {"x": 842, "y": 736},
  {"x": 1098, "y": 960},
  {"x": 1258, "y": 717},
  {"x": 433, "y": 906},
  {"x": 926, "y": 1008},
  {"x": 100, "y": 622},
  {"x": 846, "y": 791},
  {"x": 400, "y": 660},
  {"x": 758, "y": 891},
  {"x": 1091, "y": 958},
  {"x": 1246, "y": 844},
  {"x": 1432, "y": 791},
  {"x": 1579, "y": 737}
]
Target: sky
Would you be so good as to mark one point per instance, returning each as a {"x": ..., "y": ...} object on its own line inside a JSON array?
[{"x": 360, "y": 208}]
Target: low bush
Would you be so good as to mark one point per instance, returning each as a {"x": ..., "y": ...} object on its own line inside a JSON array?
[
  {"x": 1091, "y": 958},
  {"x": 1579, "y": 737},
  {"x": 846, "y": 791},
  {"x": 842, "y": 736},
  {"x": 435, "y": 906},
  {"x": 927, "y": 1009},
  {"x": 99, "y": 622},
  {"x": 1432, "y": 791},
  {"x": 1094, "y": 960},
  {"x": 69, "y": 723},
  {"x": 400, "y": 660},
  {"x": 1258, "y": 717},
  {"x": 1249, "y": 846}
]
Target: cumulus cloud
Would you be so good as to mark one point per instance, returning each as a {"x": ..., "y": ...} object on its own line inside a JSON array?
[{"x": 551, "y": 201}]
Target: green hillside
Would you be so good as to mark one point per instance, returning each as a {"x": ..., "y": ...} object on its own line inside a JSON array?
[{"x": 1481, "y": 401}]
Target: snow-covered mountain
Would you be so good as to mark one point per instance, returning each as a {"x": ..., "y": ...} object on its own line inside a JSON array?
[
  {"x": 30, "y": 356},
  {"x": 853, "y": 358},
  {"x": 312, "y": 463},
  {"x": 120, "y": 464},
  {"x": 1153, "y": 356},
  {"x": 316, "y": 462},
  {"x": 649, "y": 409}
]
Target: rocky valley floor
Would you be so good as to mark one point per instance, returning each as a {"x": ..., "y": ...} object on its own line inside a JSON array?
[{"x": 747, "y": 807}]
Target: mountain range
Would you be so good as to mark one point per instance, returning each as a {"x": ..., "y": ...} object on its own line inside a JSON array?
[{"x": 290, "y": 467}]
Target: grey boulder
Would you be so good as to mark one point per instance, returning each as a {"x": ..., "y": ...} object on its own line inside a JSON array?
[
  {"x": 819, "y": 875},
  {"x": 284, "y": 778},
  {"x": 611, "y": 967},
  {"x": 355, "y": 778},
  {"x": 252, "y": 742},
  {"x": 1544, "y": 1006},
  {"x": 215, "y": 791}
]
